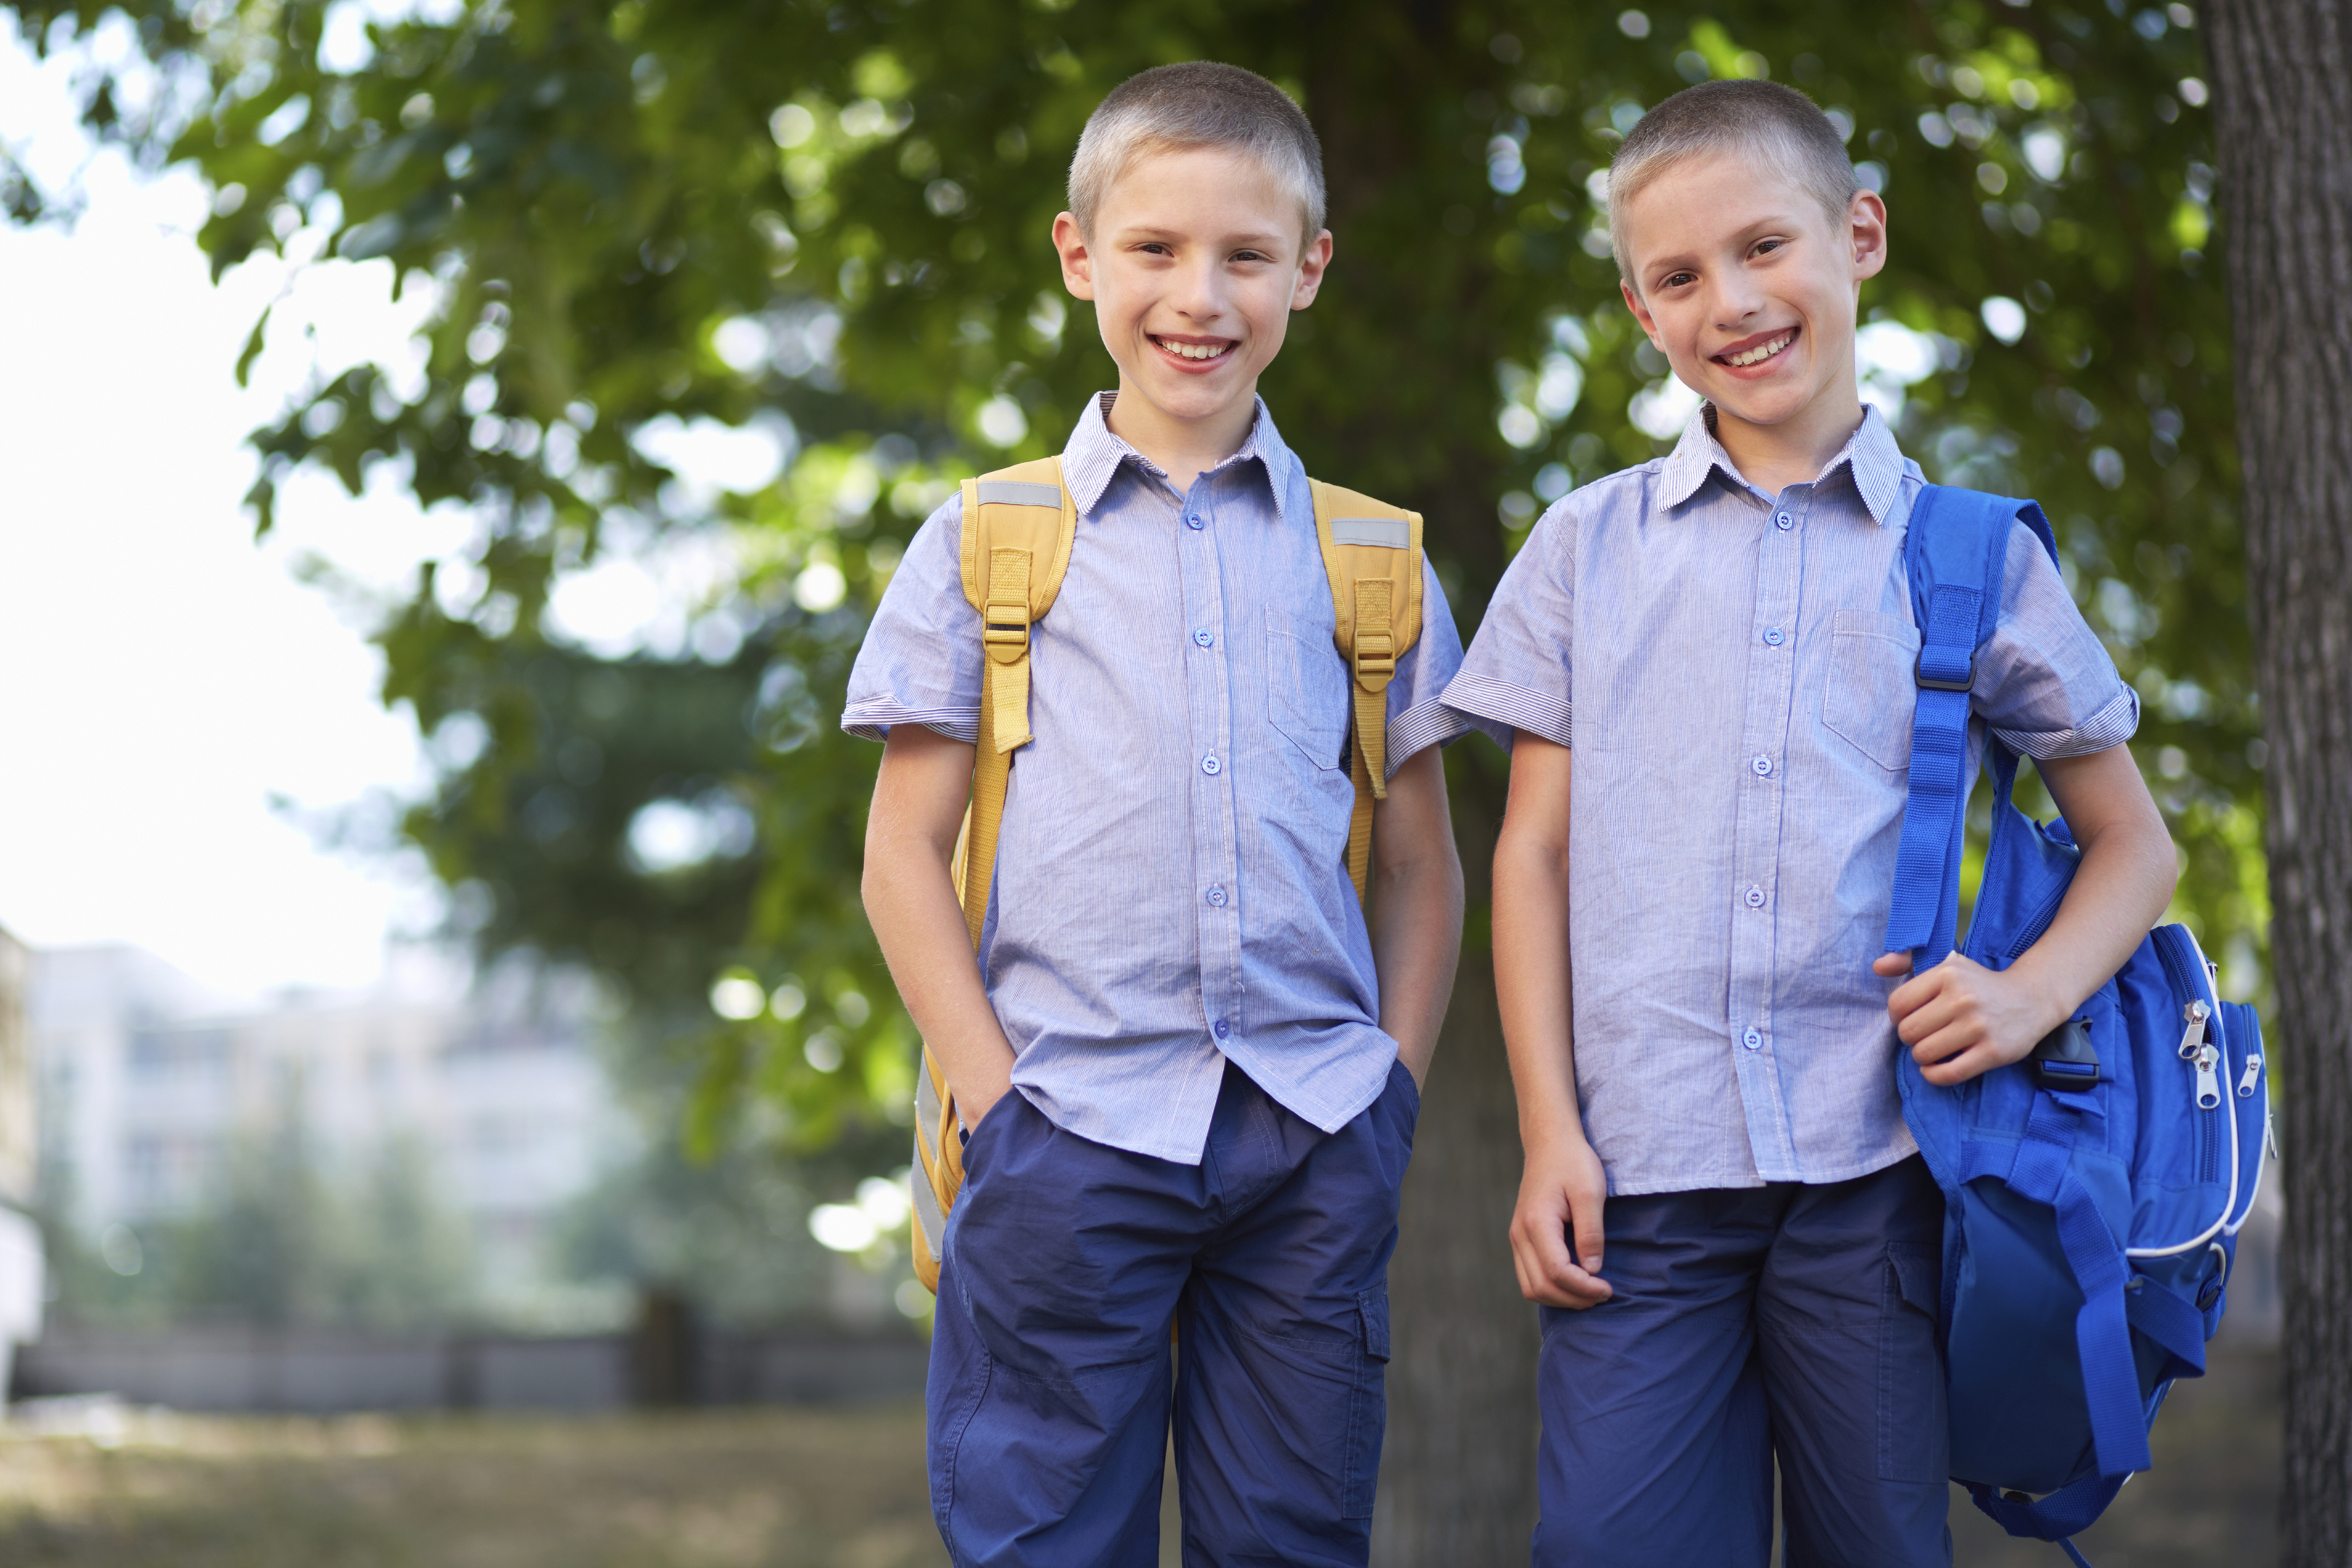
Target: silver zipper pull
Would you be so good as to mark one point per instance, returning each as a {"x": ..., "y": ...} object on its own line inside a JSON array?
[
  {"x": 2193, "y": 1037},
  {"x": 2253, "y": 1072},
  {"x": 2208, "y": 1080}
]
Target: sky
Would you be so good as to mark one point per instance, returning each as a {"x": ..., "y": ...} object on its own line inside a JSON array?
[{"x": 178, "y": 712}]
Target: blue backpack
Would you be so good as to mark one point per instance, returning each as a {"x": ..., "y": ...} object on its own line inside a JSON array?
[{"x": 2093, "y": 1191}]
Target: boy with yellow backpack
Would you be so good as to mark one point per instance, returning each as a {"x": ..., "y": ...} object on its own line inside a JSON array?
[{"x": 1161, "y": 723}]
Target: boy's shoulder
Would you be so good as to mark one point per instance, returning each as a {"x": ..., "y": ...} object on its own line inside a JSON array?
[{"x": 1628, "y": 494}]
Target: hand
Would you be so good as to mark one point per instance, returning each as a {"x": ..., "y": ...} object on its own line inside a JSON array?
[
  {"x": 1961, "y": 1019},
  {"x": 973, "y": 1102},
  {"x": 1561, "y": 1196}
]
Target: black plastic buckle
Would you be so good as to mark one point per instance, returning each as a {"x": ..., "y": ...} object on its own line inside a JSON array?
[
  {"x": 1926, "y": 682},
  {"x": 2064, "y": 1059}
]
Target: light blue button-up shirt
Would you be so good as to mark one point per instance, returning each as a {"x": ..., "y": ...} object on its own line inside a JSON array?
[
  {"x": 1171, "y": 884},
  {"x": 1737, "y": 667}
]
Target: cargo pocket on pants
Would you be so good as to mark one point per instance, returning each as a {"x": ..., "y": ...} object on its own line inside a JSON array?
[
  {"x": 1914, "y": 1435},
  {"x": 1368, "y": 1406}
]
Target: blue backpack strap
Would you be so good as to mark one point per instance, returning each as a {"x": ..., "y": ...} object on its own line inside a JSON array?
[{"x": 1953, "y": 554}]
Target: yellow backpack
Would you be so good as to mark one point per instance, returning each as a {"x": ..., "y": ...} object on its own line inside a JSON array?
[{"x": 1018, "y": 525}]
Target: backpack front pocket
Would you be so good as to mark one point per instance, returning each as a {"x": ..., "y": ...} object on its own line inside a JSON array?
[
  {"x": 1871, "y": 691},
  {"x": 1307, "y": 689}
]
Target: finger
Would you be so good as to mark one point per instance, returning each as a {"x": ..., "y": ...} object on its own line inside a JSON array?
[
  {"x": 1540, "y": 1232},
  {"x": 1973, "y": 1062},
  {"x": 1916, "y": 993},
  {"x": 1891, "y": 964},
  {"x": 1588, "y": 1238},
  {"x": 1951, "y": 1009},
  {"x": 1574, "y": 1288},
  {"x": 1921, "y": 1023},
  {"x": 1953, "y": 1036}
]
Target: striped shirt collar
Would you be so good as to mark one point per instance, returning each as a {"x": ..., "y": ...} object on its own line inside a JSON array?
[
  {"x": 1094, "y": 455},
  {"x": 1870, "y": 455}
]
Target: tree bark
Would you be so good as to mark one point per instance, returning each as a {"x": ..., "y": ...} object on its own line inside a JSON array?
[{"x": 2282, "y": 76}]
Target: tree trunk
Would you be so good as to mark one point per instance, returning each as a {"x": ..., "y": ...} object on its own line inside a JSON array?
[
  {"x": 2282, "y": 72},
  {"x": 1459, "y": 1473}
]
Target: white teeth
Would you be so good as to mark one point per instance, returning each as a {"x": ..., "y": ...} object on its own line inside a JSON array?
[
  {"x": 1192, "y": 350},
  {"x": 1761, "y": 352}
]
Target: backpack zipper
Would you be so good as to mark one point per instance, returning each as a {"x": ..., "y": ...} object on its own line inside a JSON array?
[
  {"x": 2033, "y": 928},
  {"x": 2203, "y": 1058}
]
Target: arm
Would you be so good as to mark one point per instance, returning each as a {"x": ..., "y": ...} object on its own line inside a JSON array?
[
  {"x": 1562, "y": 1191},
  {"x": 1417, "y": 905},
  {"x": 910, "y": 893},
  {"x": 1961, "y": 1018}
]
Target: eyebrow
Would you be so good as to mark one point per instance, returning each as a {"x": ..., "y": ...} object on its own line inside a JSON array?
[{"x": 1262, "y": 241}]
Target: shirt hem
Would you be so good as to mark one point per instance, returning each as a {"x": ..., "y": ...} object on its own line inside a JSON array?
[
  {"x": 873, "y": 721},
  {"x": 2110, "y": 727},
  {"x": 1499, "y": 708},
  {"x": 1869, "y": 1165},
  {"x": 1420, "y": 727}
]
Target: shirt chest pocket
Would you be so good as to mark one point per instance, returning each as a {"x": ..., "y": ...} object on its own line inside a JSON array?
[
  {"x": 1307, "y": 689},
  {"x": 1871, "y": 689}
]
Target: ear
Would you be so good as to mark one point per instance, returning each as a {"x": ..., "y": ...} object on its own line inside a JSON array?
[
  {"x": 1077, "y": 260},
  {"x": 1311, "y": 266},
  {"x": 1641, "y": 313},
  {"x": 1866, "y": 221}
]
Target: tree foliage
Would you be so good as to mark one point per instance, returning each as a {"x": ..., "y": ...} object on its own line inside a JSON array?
[{"x": 639, "y": 220}]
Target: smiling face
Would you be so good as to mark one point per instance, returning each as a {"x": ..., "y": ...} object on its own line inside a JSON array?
[
  {"x": 1194, "y": 266},
  {"x": 1750, "y": 289}
]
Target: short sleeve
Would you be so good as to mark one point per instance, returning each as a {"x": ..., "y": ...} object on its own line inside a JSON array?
[
  {"x": 920, "y": 663},
  {"x": 2045, "y": 682},
  {"x": 1418, "y": 717},
  {"x": 1516, "y": 673}
]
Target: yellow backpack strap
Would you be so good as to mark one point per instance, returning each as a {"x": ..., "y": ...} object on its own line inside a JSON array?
[
  {"x": 1018, "y": 525},
  {"x": 1371, "y": 552}
]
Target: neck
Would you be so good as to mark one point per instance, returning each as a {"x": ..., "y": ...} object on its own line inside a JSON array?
[
  {"x": 1795, "y": 451},
  {"x": 1184, "y": 448}
]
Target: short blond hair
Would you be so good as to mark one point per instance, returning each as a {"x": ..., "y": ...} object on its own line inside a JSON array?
[
  {"x": 1778, "y": 124},
  {"x": 1201, "y": 103}
]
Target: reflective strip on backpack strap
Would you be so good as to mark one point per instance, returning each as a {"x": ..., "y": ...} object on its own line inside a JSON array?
[
  {"x": 1019, "y": 492},
  {"x": 1385, "y": 533}
]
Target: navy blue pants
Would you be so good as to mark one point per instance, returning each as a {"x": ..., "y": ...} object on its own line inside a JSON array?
[
  {"x": 1785, "y": 1320},
  {"x": 1066, "y": 1262}
]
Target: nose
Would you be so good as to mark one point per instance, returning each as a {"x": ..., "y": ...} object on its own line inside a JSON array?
[
  {"x": 1199, "y": 291},
  {"x": 1735, "y": 300}
]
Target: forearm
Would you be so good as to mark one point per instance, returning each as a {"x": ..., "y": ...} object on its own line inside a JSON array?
[
  {"x": 2119, "y": 891},
  {"x": 1416, "y": 909},
  {"x": 1533, "y": 985},
  {"x": 910, "y": 902}
]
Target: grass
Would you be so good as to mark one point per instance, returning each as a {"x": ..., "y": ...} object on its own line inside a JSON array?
[
  {"x": 791, "y": 1489},
  {"x": 773, "y": 1488}
]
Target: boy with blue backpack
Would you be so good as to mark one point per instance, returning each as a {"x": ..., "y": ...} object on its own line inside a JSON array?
[
  {"x": 1710, "y": 987},
  {"x": 1161, "y": 719}
]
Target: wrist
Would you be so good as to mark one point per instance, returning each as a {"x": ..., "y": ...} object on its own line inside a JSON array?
[
  {"x": 1551, "y": 1128},
  {"x": 2048, "y": 1003}
]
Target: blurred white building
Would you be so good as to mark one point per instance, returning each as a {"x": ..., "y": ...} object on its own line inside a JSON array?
[
  {"x": 20, "y": 1240},
  {"x": 146, "y": 1081}
]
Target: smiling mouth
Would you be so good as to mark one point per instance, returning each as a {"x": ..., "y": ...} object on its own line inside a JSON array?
[
  {"x": 1758, "y": 352},
  {"x": 1194, "y": 353}
]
